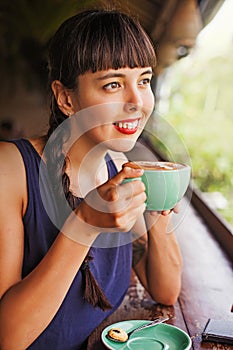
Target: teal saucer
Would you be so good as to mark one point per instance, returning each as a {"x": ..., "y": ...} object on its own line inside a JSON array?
[{"x": 159, "y": 337}]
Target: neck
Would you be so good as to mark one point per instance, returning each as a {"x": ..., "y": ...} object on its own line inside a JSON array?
[{"x": 86, "y": 168}]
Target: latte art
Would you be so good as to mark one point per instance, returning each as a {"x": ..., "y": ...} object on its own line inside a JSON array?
[{"x": 147, "y": 165}]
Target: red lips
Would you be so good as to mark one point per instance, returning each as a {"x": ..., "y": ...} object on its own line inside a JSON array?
[{"x": 127, "y": 127}]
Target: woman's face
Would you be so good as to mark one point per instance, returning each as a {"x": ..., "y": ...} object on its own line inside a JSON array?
[{"x": 115, "y": 105}]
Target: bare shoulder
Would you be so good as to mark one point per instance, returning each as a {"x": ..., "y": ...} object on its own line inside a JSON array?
[
  {"x": 13, "y": 200},
  {"x": 13, "y": 182},
  {"x": 11, "y": 159},
  {"x": 12, "y": 174},
  {"x": 118, "y": 158}
]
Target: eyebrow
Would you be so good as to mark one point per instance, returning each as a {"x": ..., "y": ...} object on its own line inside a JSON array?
[{"x": 120, "y": 75}]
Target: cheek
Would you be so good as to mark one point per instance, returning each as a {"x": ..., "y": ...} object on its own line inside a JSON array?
[
  {"x": 84, "y": 98},
  {"x": 149, "y": 102},
  {"x": 97, "y": 118}
]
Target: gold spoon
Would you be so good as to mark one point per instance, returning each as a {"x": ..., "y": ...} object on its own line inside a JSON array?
[{"x": 126, "y": 335}]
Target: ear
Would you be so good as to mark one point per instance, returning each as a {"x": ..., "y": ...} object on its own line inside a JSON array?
[{"x": 63, "y": 97}]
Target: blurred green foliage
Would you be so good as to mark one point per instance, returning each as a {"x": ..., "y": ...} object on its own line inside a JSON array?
[{"x": 201, "y": 110}]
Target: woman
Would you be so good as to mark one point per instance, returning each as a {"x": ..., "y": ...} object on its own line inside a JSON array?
[{"x": 66, "y": 267}]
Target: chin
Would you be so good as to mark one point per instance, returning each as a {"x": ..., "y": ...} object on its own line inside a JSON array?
[{"x": 121, "y": 145}]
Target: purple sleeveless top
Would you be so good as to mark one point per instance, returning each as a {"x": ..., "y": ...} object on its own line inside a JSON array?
[{"x": 76, "y": 318}]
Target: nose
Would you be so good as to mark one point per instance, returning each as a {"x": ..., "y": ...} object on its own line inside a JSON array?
[
  {"x": 133, "y": 101},
  {"x": 131, "y": 107}
]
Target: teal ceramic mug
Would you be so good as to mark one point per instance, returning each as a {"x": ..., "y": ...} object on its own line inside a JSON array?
[{"x": 165, "y": 182}]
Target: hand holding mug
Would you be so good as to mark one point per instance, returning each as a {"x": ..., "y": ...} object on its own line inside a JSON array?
[{"x": 165, "y": 183}]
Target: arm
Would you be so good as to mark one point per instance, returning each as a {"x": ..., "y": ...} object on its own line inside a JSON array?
[
  {"x": 157, "y": 259},
  {"x": 156, "y": 255},
  {"x": 26, "y": 306}
]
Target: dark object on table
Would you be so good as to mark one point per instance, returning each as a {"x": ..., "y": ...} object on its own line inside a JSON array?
[{"x": 220, "y": 331}]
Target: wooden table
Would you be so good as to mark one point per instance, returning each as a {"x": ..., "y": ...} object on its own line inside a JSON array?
[{"x": 207, "y": 288}]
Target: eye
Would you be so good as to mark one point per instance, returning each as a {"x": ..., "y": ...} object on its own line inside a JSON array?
[
  {"x": 112, "y": 86},
  {"x": 144, "y": 82},
  {"x": 183, "y": 51}
]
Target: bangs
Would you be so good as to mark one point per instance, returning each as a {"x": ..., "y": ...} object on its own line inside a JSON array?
[
  {"x": 111, "y": 41},
  {"x": 98, "y": 40}
]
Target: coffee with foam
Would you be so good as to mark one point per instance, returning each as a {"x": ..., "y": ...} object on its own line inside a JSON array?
[{"x": 146, "y": 165}]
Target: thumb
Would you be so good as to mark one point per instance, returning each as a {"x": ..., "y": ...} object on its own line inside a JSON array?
[{"x": 126, "y": 173}]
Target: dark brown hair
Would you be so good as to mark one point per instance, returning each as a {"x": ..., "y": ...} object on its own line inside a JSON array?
[{"x": 90, "y": 41}]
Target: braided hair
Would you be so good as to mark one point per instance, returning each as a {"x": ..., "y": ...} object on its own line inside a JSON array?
[{"x": 92, "y": 40}]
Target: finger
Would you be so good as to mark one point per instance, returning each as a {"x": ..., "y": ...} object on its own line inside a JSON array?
[
  {"x": 173, "y": 210},
  {"x": 176, "y": 209},
  {"x": 126, "y": 173},
  {"x": 162, "y": 212},
  {"x": 128, "y": 200},
  {"x": 127, "y": 221},
  {"x": 166, "y": 212},
  {"x": 131, "y": 188},
  {"x": 153, "y": 212},
  {"x": 137, "y": 201}
]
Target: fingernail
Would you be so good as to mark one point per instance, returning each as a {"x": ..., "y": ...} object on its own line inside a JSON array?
[{"x": 136, "y": 171}]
